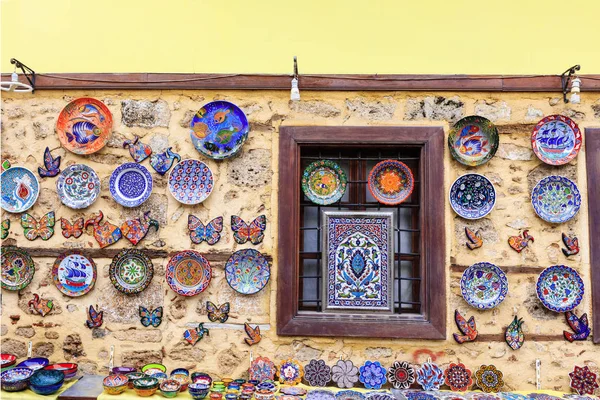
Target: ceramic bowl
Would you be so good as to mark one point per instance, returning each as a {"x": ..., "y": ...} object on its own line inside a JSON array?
[
  {"x": 180, "y": 371},
  {"x": 160, "y": 376},
  {"x": 149, "y": 369},
  {"x": 227, "y": 381},
  {"x": 231, "y": 396},
  {"x": 183, "y": 380},
  {"x": 199, "y": 390},
  {"x": 264, "y": 394},
  {"x": 68, "y": 369},
  {"x": 34, "y": 363},
  {"x": 255, "y": 382},
  {"x": 201, "y": 377},
  {"x": 116, "y": 383},
  {"x": 169, "y": 388},
  {"x": 15, "y": 379},
  {"x": 123, "y": 370},
  {"x": 46, "y": 382},
  {"x": 145, "y": 387},
  {"x": 132, "y": 376},
  {"x": 6, "y": 360},
  {"x": 215, "y": 396}
]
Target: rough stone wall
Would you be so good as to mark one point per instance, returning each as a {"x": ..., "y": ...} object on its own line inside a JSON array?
[{"x": 247, "y": 186}]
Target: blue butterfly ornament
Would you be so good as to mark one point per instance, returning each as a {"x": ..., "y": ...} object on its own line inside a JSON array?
[{"x": 153, "y": 318}]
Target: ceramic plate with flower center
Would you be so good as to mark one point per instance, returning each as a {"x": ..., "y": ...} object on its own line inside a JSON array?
[
  {"x": 401, "y": 375},
  {"x": 261, "y": 369},
  {"x": 188, "y": 273},
  {"x": 560, "y": 288},
  {"x": 290, "y": 372},
  {"x": 78, "y": 186},
  {"x": 372, "y": 375},
  {"x": 489, "y": 379},
  {"x": 20, "y": 189},
  {"x": 17, "y": 268},
  {"x": 473, "y": 140},
  {"x": 84, "y": 126},
  {"x": 317, "y": 373},
  {"x": 74, "y": 274},
  {"x": 191, "y": 182},
  {"x": 458, "y": 377},
  {"x": 556, "y": 140},
  {"x": 324, "y": 182},
  {"x": 391, "y": 182},
  {"x": 484, "y": 285},
  {"x": 556, "y": 199},
  {"x": 472, "y": 196},
  {"x": 430, "y": 376},
  {"x": 247, "y": 271},
  {"x": 130, "y": 184},
  {"x": 131, "y": 271}
]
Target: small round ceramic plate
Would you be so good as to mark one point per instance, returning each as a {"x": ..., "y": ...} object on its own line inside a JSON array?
[
  {"x": 292, "y": 390},
  {"x": 130, "y": 184},
  {"x": 473, "y": 140},
  {"x": 391, "y": 182},
  {"x": 84, "y": 126},
  {"x": 320, "y": 394},
  {"x": 349, "y": 395},
  {"x": 484, "y": 285},
  {"x": 6, "y": 360},
  {"x": 261, "y": 369},
  {"x": 556, "y": 199},
  {"x": 78, "y": 186},
  {"x": 247, "y": 271},
  {"x": 188, "y": 273},
  {"x": 34, "y": 363},
  {"x": 131, "y": 271},
  {"x": 324, "y": 182},
  {"x": 472, "y": 196},
  {"x": 219, "y": 129},
  {"x": 20, "y": 189},
  {"x": 560, "y": 288},
  {"x": 17, "y": 268},
  {"x": 74, "y": 274},
  {"x": 191, "y": 182},
  {"x": 556, "y": 140}
]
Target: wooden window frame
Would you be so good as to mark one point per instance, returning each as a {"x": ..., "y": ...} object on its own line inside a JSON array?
[
  {"x": 431, "y": 322},
  {"x": 592, "y": 140}
]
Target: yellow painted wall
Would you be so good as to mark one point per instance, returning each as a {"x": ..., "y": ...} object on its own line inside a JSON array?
[{"x": 328, "y": 36}]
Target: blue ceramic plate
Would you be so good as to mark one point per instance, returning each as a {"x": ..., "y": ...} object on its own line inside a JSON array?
[
  {"x": 20, "y": 189},
  {"x": 556, "y": 140},
  {"x": 219, "y": 129},
  {"x": 484, "y": 285},
  {"x": 78, "y": 186},
  {"x": 556, "y": 199},
  {"x": 34, "y": 363},
  {"x": 191, "y": 182},
  {"x": 247, "y": 271},
  {"x": 320, "y": 394},
  {"x": 130, "y": 184},
  {"x": 472, "y": 196},
  {"x": 560, "y": 288}
]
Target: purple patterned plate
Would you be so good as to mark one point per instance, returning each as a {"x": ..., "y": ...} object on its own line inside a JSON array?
[
  {"x": 560, "y": 288},
  {"x": 130, "y": 184},
  {"x": 247, "y": 271},
  {"x": 191, "y": 182},
  {"x": 320, "y": 395}
]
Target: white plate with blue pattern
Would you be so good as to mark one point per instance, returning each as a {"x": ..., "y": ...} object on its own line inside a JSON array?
[{"x": 130, "y": 184}]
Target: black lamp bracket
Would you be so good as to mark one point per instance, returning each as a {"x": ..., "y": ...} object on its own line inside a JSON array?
[
  {"x": 565, "y": 80},
  {"x": 28, "y": 72},
  {"x": 295, "y": 68}
]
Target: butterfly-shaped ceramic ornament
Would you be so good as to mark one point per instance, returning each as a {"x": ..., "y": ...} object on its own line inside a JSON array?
[
  {"x": 94, "y": 318},
  {"x": 153, "y": 318},
  {"x": 193, "y": 336},
  {"x": 253, "y": 334},
  {"x": 5, "y": 227},
  {"x": 255, "y": 231},
  {"x": 33, "y": 229},
  {"x": 211, "y": 232},
  {"x": 51, "y": 164},
  {"x": 220, "y": 313},
  {"x": 75, "y": 229}
]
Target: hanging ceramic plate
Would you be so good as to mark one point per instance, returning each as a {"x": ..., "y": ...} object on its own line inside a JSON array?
[
  {"x": 20, "y": 189},
  {"x": 130, "y": 184},
  {"x": 219, "y": 129},
  {"x": 131, "y": 271},
  {"x": 473, "y": 140},
  {"x": 261, "y": 369},
  {"x": 78, "y": 186},
  {"x": 391, "y": 182},
  {"x": 84, "y": 126},
  {"x": 74, "y": 274},
  {"x": 556, "y": 140},
  {"x": 472, "y": 196},
  {"x": 191, "y": 182},
  {"x": 247, "y": 271},
  {"x": 560, "y": 288},
  {"x": 556, "y": 199},
  {"x": 324, "y": 182},
  {"x": 290, "y": 372},
  {"x": 17, "y": 268},
  {"x": 188, "y": 273},
  {"x": 484, "y": 285}
]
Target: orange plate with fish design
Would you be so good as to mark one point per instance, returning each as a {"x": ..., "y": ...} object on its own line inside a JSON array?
[
  {"x": 84, "y": 126},
  {"x": 473, "y": 140}
]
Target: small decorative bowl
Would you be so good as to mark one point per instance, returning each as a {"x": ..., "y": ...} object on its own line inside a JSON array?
[
  {"x": 169, "y": 388},
  {"x": 123, "y": 370},
  {"x": 266, "y": 385},
  {"x": 160, "y": 376},
  {"x": 183, "y": 380},
  {"x": 231, "y": 396},
  {"x": 6, "y": 360},
  {"x": 46, "y": 382},
  {"x": 15, "y": 379},
  {"x": 240, "y": 381},
  {"x": 227, "y": 381},
  {"x": 199, "y": 390},
  {"x": 264, "y": 394},
  {"x": 151, "y": 368},
  {"x": 146, "y": 386},
  {"x": 255, "y": 382},
  {"x": 68, "y": 369},
  {"x": 216, "y": 396},
  {"x": 180, "y": 371},
  {"x": 248, "y": 386},
  {"x": 116, "y": 383},
  {"x": 132, "y": 376},
  {"x": 201, "y": 377},
  {"x": 34, "y": 363}
]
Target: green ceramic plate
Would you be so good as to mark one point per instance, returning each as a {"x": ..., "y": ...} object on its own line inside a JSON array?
[
  {"x": 324, "y": 182},
  {"x": 473, "y": 140}
]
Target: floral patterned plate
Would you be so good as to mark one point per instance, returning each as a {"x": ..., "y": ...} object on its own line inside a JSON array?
[
  {"x": 458, "y": 377},
  {"x": 472, "y": 196},
  {"x": 188, "y": 273},
  {"x": 484, "y": 285},
  {"x": 317, "y": 373},
  {"x": 473, "y": 140},
  {"x": 130, "y": 184},
  {"x": 560, "y": 288},
  {"x": 556, "y": 199},
  {"x": 292, "y": 390},
  {"x": 345, "y": 374},
  {"x": 131, "y": 271},
  {"x": 84, "y": 126},
  {"x": 17, "y": 268},
  {"x": 20, "y": 189},
  {"x": 489, "y": 379},
  {"x": 583, "y": 380},
  {"x": 391, "y": 182},
  {"x": 320, "y": 395},
  {"x": 430, "y": 376},
  {"x": 261, "y": 369},
  {"x": 556, "y": 140},
  {"x": 324, "y": 182},
  {"x": 78, "y": 186},
  {"x": 247, "y": 271},
  {"x": 290, "y": 372},
  {"x": 74, "y": 274},
  {"x": 191, "y": 182},
  {"x": 401, "y": 375},
  {"x": 372, "y": 375},
  {"x": 349, "y": 395}
]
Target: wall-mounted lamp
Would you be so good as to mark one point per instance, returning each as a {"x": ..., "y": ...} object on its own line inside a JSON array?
[
  {"x": 575, "y": 89},
  {"x": 14, "y": 85},
  {"x": 565, "y": 79},
  {"x": 295, "y": 92}
]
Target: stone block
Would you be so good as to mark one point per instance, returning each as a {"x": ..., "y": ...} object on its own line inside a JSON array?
[
  {"x": 121, "y": 308},
  {"x": 375, "y": 110},
  {"x": 138, "y": 335},
  {"x": 228, "y": 360},
  {"x": 40, "y": 131},
  {"x": 16, "y": 347},
  {"x": 514, "y": 152},
  {"x": 596, "y": 109},
  {"x": 252, "y": 168},
  {"x": 51, "y": 335},
  {"x": 139, "y": 358},
  {"x": 145, "y": 113},
  {"x": 182, "y": 351},
  {"x": 315, "y": 107},
  {"x": 438, "y": 108},
  {"x": 42, "y": 349},
  {"x": 533, "y": 114},
  {"x": 485, "y": 227},
  {"x": 544, "y": 170},
  {"x": 73, "y": 347},
  {"x": 493, "y": 110},
  {"x": 25, "y": 331}
]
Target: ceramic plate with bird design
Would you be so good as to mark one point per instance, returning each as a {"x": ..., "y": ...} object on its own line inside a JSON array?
[
  {"x": 484, "y": 285},
  {"x": 473, "y": 140},
  {"x": 84, "y": 126}
]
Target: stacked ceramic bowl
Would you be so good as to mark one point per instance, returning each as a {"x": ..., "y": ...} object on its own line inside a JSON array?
[
  {"x": 159, "y": 376},
  {"x": 46, "y": 381},
  {"x": 201, "y": 377},
  {"x": 122, "y": 370},
  {"x": 115, "y": 384},
  {"x": 34, "y": 363},
  {"x": 198, "y": 391},
  {"x": 15, "y": 379},
  {"x": 68, "y": 369},
  {"x": 150, "y": 369},
  {"x": 169, "y": 388},
  {"x": 145, "y": 387},
  {"x": 182, "y": 376},
  {"x": 132, "y": 376}
]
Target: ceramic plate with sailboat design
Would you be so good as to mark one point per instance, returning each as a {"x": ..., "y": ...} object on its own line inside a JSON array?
[
  {"x": 556, "y": 199},
  {"x": 20, "y": 189},
  {"x": 74, "y": 274},
  {"x": 84, "y": 126},
  {"x": 473, "y": 140},
  {"x": 556, "y": 140}
]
